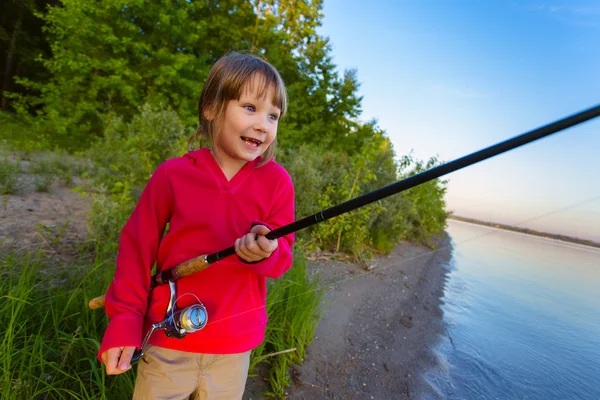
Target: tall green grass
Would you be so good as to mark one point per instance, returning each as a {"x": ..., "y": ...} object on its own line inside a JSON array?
[
  {"x": 49, "y": 338},
  {"x": 294, "y": 310},
  {"x": 9, "y": 176}
]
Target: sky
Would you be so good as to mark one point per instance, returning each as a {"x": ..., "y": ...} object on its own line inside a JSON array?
[{"x": 447, "y": 78}]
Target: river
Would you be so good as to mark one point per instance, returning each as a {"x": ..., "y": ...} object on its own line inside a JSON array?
[{"x": 522, "y": 316}]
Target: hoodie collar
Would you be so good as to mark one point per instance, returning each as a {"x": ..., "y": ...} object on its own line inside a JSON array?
[{"x": 203, "y": 157}]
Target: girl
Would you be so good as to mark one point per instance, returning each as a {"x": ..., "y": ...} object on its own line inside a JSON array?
[{"x": 233, "y": 193}]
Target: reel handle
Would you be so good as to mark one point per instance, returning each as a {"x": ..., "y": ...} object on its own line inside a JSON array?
[
  {"x": 139, "y": 353},
  {"x": 137, "y": 356}
]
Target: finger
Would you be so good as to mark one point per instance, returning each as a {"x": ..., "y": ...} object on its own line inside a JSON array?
[
  {"x": 267, "y": 245},
  {"x": 262, "y": 246},
  {"x": 254, "y": 248},
  {"x": 112, "y": 359},
  {"x": 242, "y": 251},
  {"x": 125, "y": 359},
  {"x": 260, "y": 229},
  {"x": 250, "y": 242}
]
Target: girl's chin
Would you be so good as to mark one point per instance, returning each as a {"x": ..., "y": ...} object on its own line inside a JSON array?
[{"x": 250, "y": 154}]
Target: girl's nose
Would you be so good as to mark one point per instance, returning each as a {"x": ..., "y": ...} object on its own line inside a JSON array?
[{"x": 261, "y": 123}]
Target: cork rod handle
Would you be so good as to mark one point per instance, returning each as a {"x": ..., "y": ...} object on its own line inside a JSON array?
[{"x": 184, "y": 269}]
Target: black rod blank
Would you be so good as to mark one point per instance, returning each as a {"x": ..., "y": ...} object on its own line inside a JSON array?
[{"x": 423, "y": 177}]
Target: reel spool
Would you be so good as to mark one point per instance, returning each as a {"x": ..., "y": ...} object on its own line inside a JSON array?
[
  {"x": 189, "y": 320},
  {"x": 177, "y": 323}
]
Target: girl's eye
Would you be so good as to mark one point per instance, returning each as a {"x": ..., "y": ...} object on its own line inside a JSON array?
[
  {"x": 250, "y": 108},
  {"x": 274, "y": 117}
]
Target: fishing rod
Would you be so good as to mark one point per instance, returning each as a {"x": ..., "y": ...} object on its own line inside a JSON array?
[
  {"x": 179, "y": 322},
  {"x": 201, "y": 262}
]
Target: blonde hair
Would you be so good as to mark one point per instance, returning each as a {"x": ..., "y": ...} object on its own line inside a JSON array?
[{"x": 226, "y": 81}]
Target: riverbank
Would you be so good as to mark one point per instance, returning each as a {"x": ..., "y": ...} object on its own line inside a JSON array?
[
  {"x": 527, "y": 231},
  {"x": 376, "y": 336}
]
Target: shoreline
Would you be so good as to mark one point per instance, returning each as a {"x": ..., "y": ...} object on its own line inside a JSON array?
[
  {"x": 379, "y": 328},
  {"x": 555, "y": 242},
  {"x": 527, "y": 231}
]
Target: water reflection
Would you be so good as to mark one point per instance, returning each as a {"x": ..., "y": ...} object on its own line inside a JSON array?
[{"x": 523, "y": 315}]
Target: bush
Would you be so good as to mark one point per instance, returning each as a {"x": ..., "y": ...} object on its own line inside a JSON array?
[
  {"x": 326, "y": 179},
  {"x": 9, "y": 176},
  {"x": 129, "y": 153},
  {"x": 21, "y": 133},
  {"x": 426, "y": 211},
  {"x": 124, "y": 159}
]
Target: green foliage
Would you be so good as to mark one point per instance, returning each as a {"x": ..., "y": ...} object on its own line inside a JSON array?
[
  {"x": 293, "y": 307},
  {"x": 112, "y": 56},
  {"x": 128, "y": 153},
  {"x": 48, "y": 340},
  {"x": 324, "y": 179},
  {"x": 426, "y": 212},
  {"x": 21, "y": 42},
  {"x": 19, "y": 134},
  {"x": 124, "y": 159},
  {"x": 107, "y": 217},
  {"x": 9, "y": 176},
  {"x": 121, "y": 85}
]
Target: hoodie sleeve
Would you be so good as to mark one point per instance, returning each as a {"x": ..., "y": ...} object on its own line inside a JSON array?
[
  {"x": 127, "y": 296},
  {"x": 282, "y": 213}
]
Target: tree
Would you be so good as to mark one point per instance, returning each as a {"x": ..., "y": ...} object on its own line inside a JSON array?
[
  {"x": 113, "y": 56},
  {"x": 21, "y": 43}
]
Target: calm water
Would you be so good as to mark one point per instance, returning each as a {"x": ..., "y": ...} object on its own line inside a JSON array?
[{"x": 523, "y": 318}]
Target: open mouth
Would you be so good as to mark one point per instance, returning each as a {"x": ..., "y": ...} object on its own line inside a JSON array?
[{"x": 251, "y": 141}]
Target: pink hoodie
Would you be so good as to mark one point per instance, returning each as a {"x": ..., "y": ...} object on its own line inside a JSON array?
[{"x": 206, "y": 213}]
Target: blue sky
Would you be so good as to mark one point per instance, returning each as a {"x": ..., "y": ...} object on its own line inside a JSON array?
[{"x": 450, "y": 77}]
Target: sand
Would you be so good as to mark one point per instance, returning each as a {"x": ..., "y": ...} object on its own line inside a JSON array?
[{"x": 376, "y": 337}]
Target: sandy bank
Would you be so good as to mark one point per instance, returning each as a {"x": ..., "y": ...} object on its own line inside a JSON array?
[{"x": 375, "y": 338}]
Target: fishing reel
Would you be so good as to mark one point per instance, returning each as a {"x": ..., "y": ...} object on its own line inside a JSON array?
[{"x": 177, "y": 323}]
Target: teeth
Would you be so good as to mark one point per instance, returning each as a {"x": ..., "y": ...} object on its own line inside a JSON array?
[{"x": 252, "y": 141}]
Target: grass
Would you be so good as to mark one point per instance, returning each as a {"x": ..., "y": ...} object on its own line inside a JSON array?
[
  {"x": 52, "y": 167},
  {"x": 49, "y": 339},
  {"x": 10, "y": 172},
  {"x": 293, "y": 306},
  {"x": 40, "y": 170}
]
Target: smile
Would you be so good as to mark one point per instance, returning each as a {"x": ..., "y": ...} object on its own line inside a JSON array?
[{"x": 251, "y": 141}]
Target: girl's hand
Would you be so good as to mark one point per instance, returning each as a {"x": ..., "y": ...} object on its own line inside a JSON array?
[
  {"x": 117, "y": 359},
  {"x": 252, "y": 248}
]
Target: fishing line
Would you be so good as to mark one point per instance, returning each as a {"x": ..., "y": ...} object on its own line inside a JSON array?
[
  {"x": 204, "y": 261},
  {"x": 201, "y": 262},
  {"x": 171, "y": 275},
  {"x": 428, "y": 253}
]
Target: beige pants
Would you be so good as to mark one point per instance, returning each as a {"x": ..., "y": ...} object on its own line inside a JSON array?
[{"x": 176, "y": 375}]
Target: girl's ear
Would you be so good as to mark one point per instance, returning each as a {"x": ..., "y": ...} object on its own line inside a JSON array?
[{"x": 209, "y": 113}]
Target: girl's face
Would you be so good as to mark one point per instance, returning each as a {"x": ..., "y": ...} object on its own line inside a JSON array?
[{"x": 249, "y": 126}]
